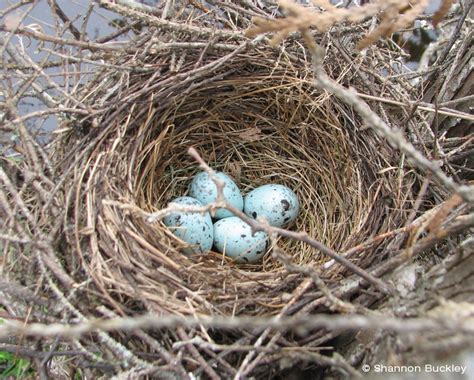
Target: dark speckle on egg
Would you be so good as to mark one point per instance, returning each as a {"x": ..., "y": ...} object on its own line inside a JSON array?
[
  {"x": 246, "y": 259},
  {"x": 243, "y": 236},
  {"x": 254, "y": 214},
  {"x": 285, "y": 204}
]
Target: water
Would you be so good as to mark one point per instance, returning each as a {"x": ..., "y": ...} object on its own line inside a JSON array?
[
  {"x": 432, "y": 7},
  {"x": 38, "y": 16}
]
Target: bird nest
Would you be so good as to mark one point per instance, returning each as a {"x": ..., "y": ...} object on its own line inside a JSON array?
[
  {"x": 252, "y": 111},
  {"x": 257, "y": 116},
  {"x": 259, "y": 119}
]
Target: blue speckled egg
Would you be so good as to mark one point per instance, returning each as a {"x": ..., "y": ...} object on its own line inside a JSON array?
[
  {"x": 204, "y": 189},
  {"x": 277, "y": 203},
  {"x": 192, "y": 227},
  {"x": 233, "y": 237}
]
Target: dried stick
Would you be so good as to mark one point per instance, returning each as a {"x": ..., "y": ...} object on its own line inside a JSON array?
[
  {"x": 246, "y": 365},
  {"x": 22, "y": 61},
  {"x": 172, "y": 361},
  {"x": 92, "y": 46},
  {"x": 150, "y": 19},
  {"x": 195, "y": 353},
  {"x": 457, "y": 324},
  {"x": 60, "y": 13}
]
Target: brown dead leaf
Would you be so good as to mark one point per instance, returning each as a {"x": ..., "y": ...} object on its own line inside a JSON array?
[
  {"x": 442, "y": 11},
  {"x": 432, "y": 220},
  {"x": 235, "y": 171},
  {"x": 395, "y": 15},
  {"x": 434, "y": 224},
  {"x": 251, "y": 134}
]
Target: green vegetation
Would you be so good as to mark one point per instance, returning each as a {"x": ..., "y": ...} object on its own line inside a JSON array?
[{"x": 13, "y": 367}]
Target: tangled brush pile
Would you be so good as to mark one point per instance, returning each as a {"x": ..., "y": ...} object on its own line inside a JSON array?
[{"x": 89, "y": 212}]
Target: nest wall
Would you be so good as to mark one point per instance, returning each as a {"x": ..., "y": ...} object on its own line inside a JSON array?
[{"x": 260, "y": 122}]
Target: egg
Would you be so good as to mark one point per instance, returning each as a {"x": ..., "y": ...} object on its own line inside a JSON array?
[
  {"x": 234, "y": 238},
  {"x": 194, "y": 228},
  {"x": 277, "y": 203},
  {"x": 204, "y": 189}
]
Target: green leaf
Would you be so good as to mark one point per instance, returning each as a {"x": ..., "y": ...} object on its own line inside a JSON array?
[{"x": 13, "y": 366}]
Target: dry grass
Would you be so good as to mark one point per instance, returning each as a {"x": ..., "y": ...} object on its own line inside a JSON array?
[
  {"x": 261, "y": 124},
  {"x": 258, "y": 140}
]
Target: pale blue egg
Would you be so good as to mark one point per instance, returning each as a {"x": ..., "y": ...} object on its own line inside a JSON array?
[
  {"x": 277, "y": 203},
  {"x": 194, "y": 228},
  {"x": 234, "y": 238},
  {"x": 204, "y": 189}
]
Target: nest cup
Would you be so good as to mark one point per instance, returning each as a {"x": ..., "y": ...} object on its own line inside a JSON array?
[
  {"x": 260, "y": 134},
  {"x": 251, "y": 111},
  {"x": 260, "y": 123}
]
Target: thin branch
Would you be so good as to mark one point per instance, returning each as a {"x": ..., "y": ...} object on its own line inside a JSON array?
[
  {"x": 457, "y": 323},
  {"x": 92, "y": 46}
]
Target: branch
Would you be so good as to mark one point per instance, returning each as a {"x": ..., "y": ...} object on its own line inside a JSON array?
[{"x": 461, "y": 323}]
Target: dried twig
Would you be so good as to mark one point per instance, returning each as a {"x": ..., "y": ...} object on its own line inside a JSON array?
[
  {"x": 301, "y": 236},
  {"x": 300, "y": 325}
]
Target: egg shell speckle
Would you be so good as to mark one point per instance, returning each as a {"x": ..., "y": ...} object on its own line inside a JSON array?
[
  {"x": 233, "y": 237},
  {"x": 194, "y": 228},
  {"x": 277, "y": 203},
  {"x": 204, "y": 189}
]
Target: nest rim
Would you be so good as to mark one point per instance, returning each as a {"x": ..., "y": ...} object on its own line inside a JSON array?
[{"x": 255, "y": 85}]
